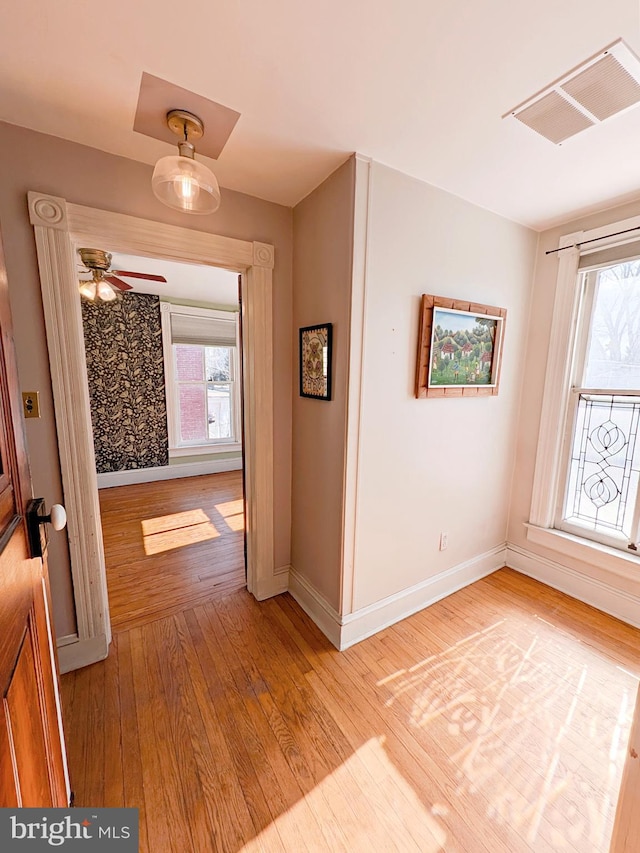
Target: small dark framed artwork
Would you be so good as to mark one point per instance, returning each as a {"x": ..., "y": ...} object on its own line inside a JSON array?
[{"x": 315, "y": 361}]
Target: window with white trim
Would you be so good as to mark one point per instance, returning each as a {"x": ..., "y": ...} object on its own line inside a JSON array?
[
  {"x": 593, "y": 401},
  {"x": 601, "y": 469},
  {"x": 202, "y": 376}
]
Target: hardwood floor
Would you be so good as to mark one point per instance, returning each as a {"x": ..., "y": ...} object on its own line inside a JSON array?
[
  {"x": 495, "y": 721},
  {"x": 171, "y": 545}
]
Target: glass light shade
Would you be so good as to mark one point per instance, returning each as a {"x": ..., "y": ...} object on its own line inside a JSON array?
[
  {"x": 106, "y": 292},
  {"x": 185, "y": 184},
  {"x": 88, "y": 289}
]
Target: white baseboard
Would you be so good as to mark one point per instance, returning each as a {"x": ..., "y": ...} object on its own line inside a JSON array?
[
  {"x": 369, "y": 620},
  {"x": 167, "y": 472},
  {"x": 316, "y": 607},
  {"x": 275, "y": 585},
  {"x": 345, "y": 631},
  {"x": 603, "y": 596},
  {"x": 81, "y": 653}
]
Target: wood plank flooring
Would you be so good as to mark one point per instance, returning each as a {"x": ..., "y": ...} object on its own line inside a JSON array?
[
  {"x": 171, "y": 545},
  {"x": 495, "y": 721}
]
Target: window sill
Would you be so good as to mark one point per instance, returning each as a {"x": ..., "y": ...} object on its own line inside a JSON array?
[
  {"x": 204, "y": 449},
  {"x": 620, "y": 563}
]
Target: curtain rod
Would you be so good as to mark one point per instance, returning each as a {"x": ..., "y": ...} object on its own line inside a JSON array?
[{"x": 594, "y": 240}]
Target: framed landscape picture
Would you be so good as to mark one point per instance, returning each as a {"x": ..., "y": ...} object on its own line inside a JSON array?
[
  {"x": 315, "y": 361},
  {"x": 459, "y": 348}
]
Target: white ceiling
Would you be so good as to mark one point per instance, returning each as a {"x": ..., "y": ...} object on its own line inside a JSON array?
[
  {"x": 190, "y": 282},
  {"x": 418, "y": 85}
]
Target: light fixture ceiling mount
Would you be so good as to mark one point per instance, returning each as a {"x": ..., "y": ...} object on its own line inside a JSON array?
[
  {"x": 183, "y": 122},
  {"x": 180, "y": 181}
]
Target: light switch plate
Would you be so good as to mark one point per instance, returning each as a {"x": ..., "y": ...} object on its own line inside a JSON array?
[{"x": 31, "y": 404}]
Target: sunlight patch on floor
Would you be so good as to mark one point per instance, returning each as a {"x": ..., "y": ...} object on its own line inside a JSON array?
[
  {"x": 164, "y": 523},
  {"x": 235, "y": 523},
  {"x": 168, "y": 532},
  {"x": 230, "y": 508},
  {"x": 366, "y": 801},
  {"x": 233, "y": 514},
  {"x": 531, "y": 724}
]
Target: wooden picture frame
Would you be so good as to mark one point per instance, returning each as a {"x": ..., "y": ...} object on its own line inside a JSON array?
[
  {"x": 466, "y": 362},
  {"x": 316, "y": 346}
]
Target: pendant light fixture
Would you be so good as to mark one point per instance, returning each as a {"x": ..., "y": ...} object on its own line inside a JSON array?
[{"x": 179, "y": 181}]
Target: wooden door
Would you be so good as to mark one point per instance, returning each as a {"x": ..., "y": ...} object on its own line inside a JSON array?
[
  {"x": 32, "y": 760},
  {"x": 626, "y": 828}
]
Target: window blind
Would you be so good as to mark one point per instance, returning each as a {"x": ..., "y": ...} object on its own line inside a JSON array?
[
  {"x": 607, "y": 257},
  {"x": 203, "y": 331}
]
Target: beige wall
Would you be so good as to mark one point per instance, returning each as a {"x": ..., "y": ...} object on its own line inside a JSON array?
[
  {"x": 322, "y": 258},
  {"x": 533, "y": 382},
  {"x": 433, "y": 465},
  {"x": 86, "y": 176}
]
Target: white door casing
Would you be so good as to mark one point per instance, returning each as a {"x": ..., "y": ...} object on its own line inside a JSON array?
[{"x": 59, "y": 229}]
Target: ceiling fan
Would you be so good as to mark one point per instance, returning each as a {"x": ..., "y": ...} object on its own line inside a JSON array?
[{"x": 103, "y": 279}]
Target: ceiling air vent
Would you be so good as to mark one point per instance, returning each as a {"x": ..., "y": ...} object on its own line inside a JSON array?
[{"x": 601, "y": 87}]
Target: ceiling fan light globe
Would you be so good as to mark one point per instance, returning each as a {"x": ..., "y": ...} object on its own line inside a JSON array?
[
  {"x": 185, "y": 184},
  {"x": 88, "y": 289},
  {"x": 105, "y": 292}
]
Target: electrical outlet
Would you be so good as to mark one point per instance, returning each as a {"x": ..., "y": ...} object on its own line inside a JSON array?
[{"x": 444, "y": 541}]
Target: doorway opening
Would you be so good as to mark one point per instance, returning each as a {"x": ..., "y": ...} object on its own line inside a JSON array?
[
  {"x": 165, "y": 388},
  {"x": 60, "y": 227}
]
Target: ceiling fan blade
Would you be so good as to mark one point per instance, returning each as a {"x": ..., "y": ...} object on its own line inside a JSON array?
[
  {"x": 117, "y": 282},
  {"x": 149, "y": 277}
]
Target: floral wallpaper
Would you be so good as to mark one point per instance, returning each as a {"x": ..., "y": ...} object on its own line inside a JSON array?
[{"x": 123, "y": 342}]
